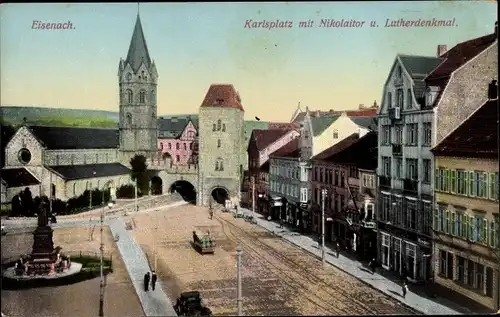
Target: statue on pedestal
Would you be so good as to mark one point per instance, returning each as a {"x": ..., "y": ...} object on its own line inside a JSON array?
[{"x": 43, "y": 218}]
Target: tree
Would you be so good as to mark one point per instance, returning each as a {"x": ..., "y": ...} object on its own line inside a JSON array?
[{"x": 139, "y": 172}]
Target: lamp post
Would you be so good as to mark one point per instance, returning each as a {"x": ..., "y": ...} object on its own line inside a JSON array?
[
  {"x": 101, "y": 284},
  {"x": 238, "y": 268},
  {"x": 323, "y": 196}
]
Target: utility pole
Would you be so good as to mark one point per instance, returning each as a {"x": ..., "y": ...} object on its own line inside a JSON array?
[
  {"x": 101, "y": 286},
  {"x": 135, "y": 197},
  {"x": 323, "y": 196},
  {"x": 253, "y": 196},
  {"x": 238, "y": 268}
]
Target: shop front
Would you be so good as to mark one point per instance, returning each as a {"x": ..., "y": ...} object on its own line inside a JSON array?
[
  {"x": 262, "y": 204},
  {"x": 276, "y": 206},
  {"x": 405, "y": 254},
  {"x": 304, "y": 218}
]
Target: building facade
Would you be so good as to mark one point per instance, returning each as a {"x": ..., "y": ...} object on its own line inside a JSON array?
[
  {"x": 285, "y": 185},
  {"x": 405, "y": 169},
  {"x": 466, "y": 218},
  {"x": 178, "y": 138}
]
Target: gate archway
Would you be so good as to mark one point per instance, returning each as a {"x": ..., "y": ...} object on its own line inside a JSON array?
[
  {"x": 156, "y": 185},
  {"x": 185, "y": 189},
  {"x": 220, "y": 195}
]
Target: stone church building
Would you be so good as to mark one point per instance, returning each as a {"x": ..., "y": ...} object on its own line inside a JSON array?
[{"x": 63, "y": 162}]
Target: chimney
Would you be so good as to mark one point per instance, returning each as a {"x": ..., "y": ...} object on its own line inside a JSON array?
[
  {"x": 375, "y": 104},
  {"x": 441, "y": 49},
  {"x": 493, "y": 90}
]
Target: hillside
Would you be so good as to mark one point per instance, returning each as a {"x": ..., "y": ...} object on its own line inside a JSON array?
[{"x": 15, "y": 114}]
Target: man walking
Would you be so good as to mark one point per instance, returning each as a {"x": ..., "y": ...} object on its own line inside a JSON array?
[
  {"x": 372, "y": 265},
  {"x": 337, "y": 248},
  {"x": 146, "y": 281},
  {"x": 153, "y": 280}
]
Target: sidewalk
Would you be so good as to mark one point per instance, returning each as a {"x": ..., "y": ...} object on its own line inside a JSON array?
[
  {"x": 154, "y": 303},
  {"x": 425, "y": 305}
]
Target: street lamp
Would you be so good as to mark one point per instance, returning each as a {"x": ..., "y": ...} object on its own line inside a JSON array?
[
  {"x": 323, "y": 196},
  {"x": 101, "y": 284},
  {"x": 238, "y": 268}
]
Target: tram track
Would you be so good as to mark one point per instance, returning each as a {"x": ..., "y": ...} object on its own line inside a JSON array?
[{"x": 300, "y": 276}]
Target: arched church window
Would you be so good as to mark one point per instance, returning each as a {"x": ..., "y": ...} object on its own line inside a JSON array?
[
  {"x": 142, "y": 96},
  {"x": 219, "y": 125},
  {"x": 218, "y": 143},
  {"x": 130, "y": 96},
  {"x": 129, "y": 118},
  {"x": 223, "y": 127}
]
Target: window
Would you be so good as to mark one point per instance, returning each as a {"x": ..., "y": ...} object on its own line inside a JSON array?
[
  {"x": 219, "y": 164},
  {"x": 461, "y": 182},
  {"x": 389, "y": 100},
  {"x": 494, "y": 234},
  {"x": 191, "y": 146},
  {"x": 409, "y": 99},
  {"x": 386, "y": 135},
  {"x": 177, "y": 158},
  {"x": 452, "y": 181},
  {"x": 142, "y": 96},
  {"x": 412, "y": 169},
  {"x": 427, "y": 171},
  {"x": 483, "y": 185},
  {"x": 335, "y": 134},
  {"x": 460, "y": 269},
  {"x": 214, "y": 127},
  {"x": 153, "y": 97},
  {"x": 458, "y": 224},
  {"x": 472, "y": 184},
  {"x": 412, "y": 134},
  {"x": 386, "y": 166},
  {"x": 446, "y": 264},
  {"x": 169, "y": 145},
  {"x": 400, "y": 98},
  {"x": 398, "y": 134},
  {"x": 129, "y": 76},
  {"x": 493, "y": 188},
  {"x": 177, "y": 146},
  {"x": 427, "y": 218},
  {"x": 400, "y": 73},
  {"x": 130, "y": 96},
  {"x": 129, "y": 118},
  {"x": 219, "y": 125},
  {"x": 303, "y": 195},
  {"x": 223, "y": 127},
  {"x": 399, "y": 167},
  {"x": 427, "y": 136},
  {"x": 489, "y": 282},
  {"x": 218, "y": 143}
]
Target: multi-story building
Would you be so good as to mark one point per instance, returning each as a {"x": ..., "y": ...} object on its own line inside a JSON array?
[
  {"x": 467, "y": 220},
  {"x": 405, "y": 169},
  {"x": 178, "y": 137},
  {"x": 262, "y": 143},
  {"x": 352, "y": 213},
  {"x": 285, "y": 184}
]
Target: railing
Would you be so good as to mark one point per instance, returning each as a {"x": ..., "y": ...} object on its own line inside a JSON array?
[
  {"x": 384, "y": 182},
  {"x": 410, "y": 185},
  {"x": 397, "y": 149}
]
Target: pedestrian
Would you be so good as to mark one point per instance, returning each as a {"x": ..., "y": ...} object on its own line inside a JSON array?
[
  {"x": 211, "y": 213},
  {"x": 146, "y": 281},
  {"x": 153, "y": 280},
  {"x": 337, "y": 248},
  {"x": 372, "y": 265},
  {"x": 404, "y": 289}
]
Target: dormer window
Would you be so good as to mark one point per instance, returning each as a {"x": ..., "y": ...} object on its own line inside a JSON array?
[
  {"x": 335, "y": 134},
  {"x": 430, "y": 95}
]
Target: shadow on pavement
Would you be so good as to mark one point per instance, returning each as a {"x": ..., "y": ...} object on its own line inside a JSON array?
[{"x": 395, "y": 293}]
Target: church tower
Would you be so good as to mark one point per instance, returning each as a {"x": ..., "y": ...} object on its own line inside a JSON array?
[{"x": 137, "y": 77}]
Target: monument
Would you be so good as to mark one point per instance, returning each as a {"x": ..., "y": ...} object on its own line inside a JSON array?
[{"x": 43, "y": 244}]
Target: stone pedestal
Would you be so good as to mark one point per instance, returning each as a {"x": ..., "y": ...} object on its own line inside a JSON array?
[{"x": 43, "y": 245}]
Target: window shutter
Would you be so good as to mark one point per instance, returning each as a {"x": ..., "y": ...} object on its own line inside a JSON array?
[
  {"x": 454, "y": 182},
  {"x": 466, "y": 184},
  {"x": 453, "y": 223},
  {"x": 446, "y": 221},
  {"x": 447, "y": 181},
  {"x": 484, "y": 237},
  {"x": 465, "y": 226},
  {"x": 472, "y": 184},
  {"x": 438, "y": 188},
  {"x": 472, "y": 229}
]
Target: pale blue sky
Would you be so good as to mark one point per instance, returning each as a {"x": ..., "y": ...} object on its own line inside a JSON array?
[{"x": 196, "y": 44}]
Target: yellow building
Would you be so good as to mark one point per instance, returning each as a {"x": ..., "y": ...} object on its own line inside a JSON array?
[{"x": 466, "y": 219}]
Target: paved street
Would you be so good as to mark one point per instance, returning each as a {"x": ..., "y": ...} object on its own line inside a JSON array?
[
  {"x": 422, "y": 304},
  {"x": 278, "y": 277}
]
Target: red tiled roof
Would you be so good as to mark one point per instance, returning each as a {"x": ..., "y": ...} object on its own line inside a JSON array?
[
  {"x": 222, "y": 96},
  {"x": 332, "y": 150},
  {"x": 455, "y": 58},
  {"x": 283, "y": 125},
  {"x": 475, "y": 137},
  {"x": 264, "y": 138},
  {"x": 291, "y": 149}
]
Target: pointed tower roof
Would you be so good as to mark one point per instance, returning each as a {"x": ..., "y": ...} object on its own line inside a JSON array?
[{"x": 138, "y": 49}]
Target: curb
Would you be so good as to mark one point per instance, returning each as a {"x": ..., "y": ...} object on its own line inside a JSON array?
[{"x": 350, "y": 274}]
